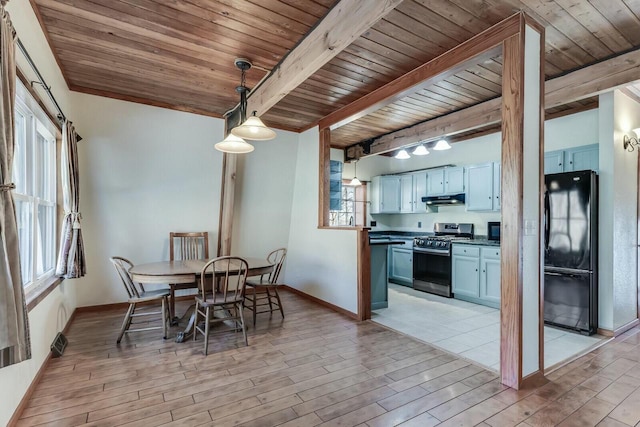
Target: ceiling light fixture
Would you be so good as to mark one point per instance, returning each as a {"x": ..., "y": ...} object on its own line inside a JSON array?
[
  {"x": 402, "y": 155},
  {"x": 235, "y": 145},
  {"x": 252, "y": 128},
  {"x": 355, "y": 182},
  {"x": 420, "y": 150},
  {"x": 442, "y": 145}
]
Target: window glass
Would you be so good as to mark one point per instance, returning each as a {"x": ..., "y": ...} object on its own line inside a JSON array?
[{"x": 34, "y": 173}]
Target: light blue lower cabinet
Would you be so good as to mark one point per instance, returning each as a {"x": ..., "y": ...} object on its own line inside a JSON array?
[
  {"x": 401, "y": 266},
  {"x": 475, "y": 274}
]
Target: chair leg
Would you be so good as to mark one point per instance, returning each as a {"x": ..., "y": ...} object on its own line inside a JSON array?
[
  {"x": 279, "y": 301},
  {"x": 244, "y": 329},
  {"x": 255, "y": 297},
  {"x": 270, "y": 304},
  {"x": 195, "y": 321},
  {"x": 126, "y": 322},
  {"x": 172, "y": 304},
  {"x": 164, "y": 317},
  {"x": 207, "y": 320}
]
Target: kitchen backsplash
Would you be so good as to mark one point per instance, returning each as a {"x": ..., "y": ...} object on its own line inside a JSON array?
[{"x": 409, "y": 222}]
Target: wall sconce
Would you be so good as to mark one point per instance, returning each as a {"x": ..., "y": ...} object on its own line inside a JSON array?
[{"x": 631, "y": 142}]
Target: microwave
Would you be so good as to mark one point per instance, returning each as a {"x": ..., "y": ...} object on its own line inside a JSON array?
[{"x": 493, "y": 231}]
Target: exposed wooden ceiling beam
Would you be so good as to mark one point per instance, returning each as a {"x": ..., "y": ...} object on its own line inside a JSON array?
[
  {"x": 478, "y": 48},
  {"x": 344, "y": 23},
  {"x": 575, "y": 86}
]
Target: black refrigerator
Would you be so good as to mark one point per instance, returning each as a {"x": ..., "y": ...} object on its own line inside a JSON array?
[{"x": 571, "y": 251}]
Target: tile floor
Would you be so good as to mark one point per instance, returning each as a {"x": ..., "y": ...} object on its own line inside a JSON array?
[{"x": 470, "y": 330}]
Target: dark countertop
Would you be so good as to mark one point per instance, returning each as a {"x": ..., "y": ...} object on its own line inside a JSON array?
[
  {"x": 400, "y": 234},
  {"x": 380, "y": 242},
  {"x": 481, "y": 241}
]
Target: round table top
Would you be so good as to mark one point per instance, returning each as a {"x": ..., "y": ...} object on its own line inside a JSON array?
[{"x": 186, "y": 270}]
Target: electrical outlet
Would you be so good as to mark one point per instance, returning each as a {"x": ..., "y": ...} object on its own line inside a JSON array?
[
  {"x": 419, "y": 224},
  {"x": 373, "y": 223}
]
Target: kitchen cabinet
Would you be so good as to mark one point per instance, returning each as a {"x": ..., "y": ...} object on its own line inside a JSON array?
[
  {"x": 585, "y": 157},
  {"x": 445, "y": 181},
  {"x": 385, "y": 194},
  {"x": 582, "y": 158},
  {"x": 454, "y": 180},
  {"x": 475, "y": 274},
  {"x": 465, "y": 275},
  {"x": 553, "y": 162},
  {"x": 406, "y": 193},
  {"x": 401, "y": 265},
  {"x": 490, "y": 275},
  {"x": 419, "y": 190},
  {"x": 483, "y": 187}
]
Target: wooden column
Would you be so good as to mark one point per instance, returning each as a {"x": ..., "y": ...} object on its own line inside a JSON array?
[
  {"x": 227, "y": 199},
  {"x": 521, "y": 337},
  {"x": 324, "y": 173},
  {"x": 364, "y": 275}
]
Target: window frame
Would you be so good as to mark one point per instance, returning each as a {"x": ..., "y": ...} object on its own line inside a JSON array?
[{"x": 38, "y": 125}]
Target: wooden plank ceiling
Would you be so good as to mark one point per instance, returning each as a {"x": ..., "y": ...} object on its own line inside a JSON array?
[{"x": 179, "y": 54}]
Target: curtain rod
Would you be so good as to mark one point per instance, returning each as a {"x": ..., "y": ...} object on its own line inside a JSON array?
[{"x": 41, "y": 82}]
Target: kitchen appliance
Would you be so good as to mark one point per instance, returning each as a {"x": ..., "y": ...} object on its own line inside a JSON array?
[
  {"x": 451, "y": 199},
  {"x": 493, "y": 231},
  {"x": 432, "y": 257},
  {"x": 571, "y": 251}
]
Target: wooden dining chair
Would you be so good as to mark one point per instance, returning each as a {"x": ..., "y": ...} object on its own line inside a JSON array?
[
  {"x": 264, "y": 291},
  {"x": 138, "y": 294},
  {"x": 184, "y": 246},
  {"x": 222, "y": 294}
]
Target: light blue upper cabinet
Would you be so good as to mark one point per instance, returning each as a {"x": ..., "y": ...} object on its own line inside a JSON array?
[
  {"x": 406, "y": 193},
  {"x": 553, "y": 162},
  {"x": 390, "y": 194},
  {"x": 480, "y": 187},
  {"x": 585, "y": 157},
  {"x": 582, "y": 158},
  {"x": 435, "y": 182},
  {"x": 454, "y": 180}
]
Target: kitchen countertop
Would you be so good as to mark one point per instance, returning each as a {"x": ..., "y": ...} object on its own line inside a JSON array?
[
  {"x": 377, "y": 242},
  {"x": 398, "y": 234},
  {"x": 478, "y": 242}
]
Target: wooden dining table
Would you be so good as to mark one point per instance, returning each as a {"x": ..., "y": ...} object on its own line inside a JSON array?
[{"x": 183, "y": 272}]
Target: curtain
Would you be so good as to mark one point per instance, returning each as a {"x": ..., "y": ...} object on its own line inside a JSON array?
[
  {"x": 71, "y": 262},
  {"x": 15, "y": 345}
]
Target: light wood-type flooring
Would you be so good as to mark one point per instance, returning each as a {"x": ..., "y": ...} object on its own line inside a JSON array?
[{"x": 315, "y": 368}]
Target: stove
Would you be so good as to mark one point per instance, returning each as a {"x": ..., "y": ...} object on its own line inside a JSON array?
[{"x": 432, "y": 257}]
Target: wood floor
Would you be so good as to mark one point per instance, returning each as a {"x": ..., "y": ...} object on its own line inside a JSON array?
[{"x": 315, "y": 368}]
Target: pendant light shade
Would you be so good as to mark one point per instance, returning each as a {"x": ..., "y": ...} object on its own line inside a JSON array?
[
  {"x": 253, "y": 129},
  {"x": 442, "y": 145},
  {"x": 402, "y": 155},
  {"x": 420, "y": 150},
  {"x": 355, "y": 182},
  {"x": 235, "y": 145}
]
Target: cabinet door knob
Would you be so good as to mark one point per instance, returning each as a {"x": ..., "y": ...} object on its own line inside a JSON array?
[{"x": 476, "y": 269}]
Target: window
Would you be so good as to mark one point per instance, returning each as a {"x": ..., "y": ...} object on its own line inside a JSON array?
[
  {"x": 351, "y": 212},
  {"x": 34, "y": 174}
]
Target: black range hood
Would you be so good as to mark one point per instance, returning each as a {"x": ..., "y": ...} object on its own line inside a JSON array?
[{"x": 452, "y": 199}]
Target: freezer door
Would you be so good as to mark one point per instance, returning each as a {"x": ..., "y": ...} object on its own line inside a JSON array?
[
  {"x": 568, "y": 301},
  {"x": 568, "y": 211}
]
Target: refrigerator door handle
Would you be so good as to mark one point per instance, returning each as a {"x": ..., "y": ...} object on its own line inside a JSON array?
[{"x": 547, "y": 219}]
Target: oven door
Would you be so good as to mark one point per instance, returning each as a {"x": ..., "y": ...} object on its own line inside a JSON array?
[{"x": 432, "y": 271}]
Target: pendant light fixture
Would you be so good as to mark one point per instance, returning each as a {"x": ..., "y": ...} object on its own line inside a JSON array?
[
  {"x": 233, "y": 144},
  {"x": 355, "y": 182},
  {"x": 442, "y": 145},
  {"x": 420, "y": 150},
  {"x": 252, "y": 128},
  {"x": 402, "y": 155}
]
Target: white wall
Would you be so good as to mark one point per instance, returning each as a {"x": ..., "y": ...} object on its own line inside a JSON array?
[
  {"x": 50, "y": 315},
  {"x": 144, "y": 172},
  {"x": 618, "y": 212},
  {"x": 321, "y": 262},
  {"x": 264, "y": 193}
]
